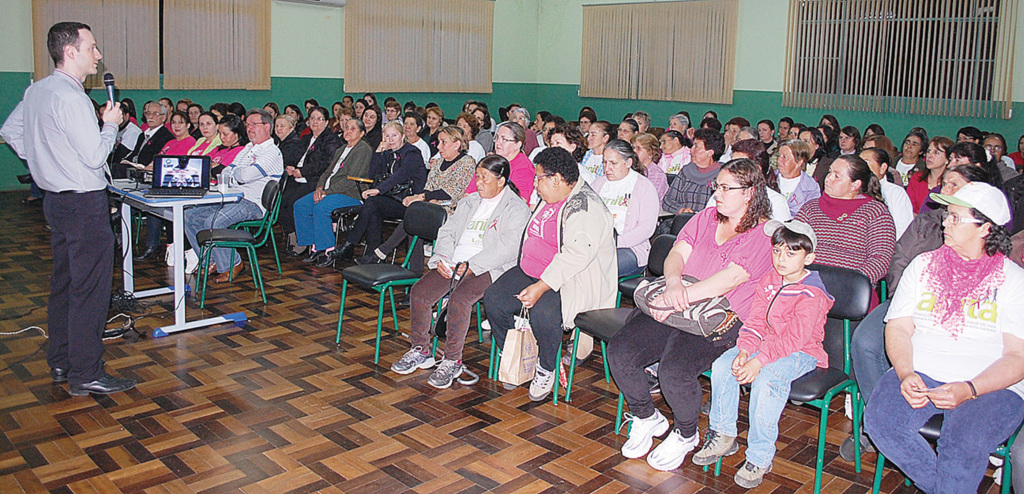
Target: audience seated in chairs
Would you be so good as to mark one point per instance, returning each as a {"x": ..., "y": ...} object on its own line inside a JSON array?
[
  {"x": 398, "y": 171},
  {"x": 450, "y": 173},
  {"x": 566, "y": 265},
  {"x": 302, "y": 178},
  {"x": 338, "y": 188},
  {"x": 484, "y": 234}
]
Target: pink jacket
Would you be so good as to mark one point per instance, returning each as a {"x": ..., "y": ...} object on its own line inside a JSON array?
[{"x": 795, "y": 319}]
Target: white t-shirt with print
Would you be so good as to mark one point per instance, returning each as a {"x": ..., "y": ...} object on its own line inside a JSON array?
[
  {"x": 471, "y": 242},
  {"x": 947, "y": 357},
  {"x": 616, "y": 196}
]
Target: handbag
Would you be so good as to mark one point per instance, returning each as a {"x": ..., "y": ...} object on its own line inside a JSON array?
[
  {"x": 439, "y": 327},
  {"x": 711, "y": 318},
  {"x": 519, "y": 354},
  {"x": 400, "y": 190}
]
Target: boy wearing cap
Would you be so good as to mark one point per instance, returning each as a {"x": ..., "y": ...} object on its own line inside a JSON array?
[{"x": 781, "y": 341}]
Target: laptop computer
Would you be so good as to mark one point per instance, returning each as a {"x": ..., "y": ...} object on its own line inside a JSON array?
[{"x": 180, "y": 176}]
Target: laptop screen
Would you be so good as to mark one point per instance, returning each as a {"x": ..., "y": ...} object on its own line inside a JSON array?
[{"x": 181, "y": 172}]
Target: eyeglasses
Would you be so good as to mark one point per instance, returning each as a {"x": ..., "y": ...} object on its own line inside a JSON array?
[
  {"x": 538, "y": 177},
  {"x": 956, "y": 220},
  {"x": 716, "y": 187},
  {"x": 993, "y": 147},
  {"x": 316, "y": 119}
]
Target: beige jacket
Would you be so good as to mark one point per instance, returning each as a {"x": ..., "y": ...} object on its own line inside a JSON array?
[{"x": 584, "y": 271}]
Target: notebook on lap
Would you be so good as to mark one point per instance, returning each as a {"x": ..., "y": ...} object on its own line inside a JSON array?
[{"x": 180, "y": 176}]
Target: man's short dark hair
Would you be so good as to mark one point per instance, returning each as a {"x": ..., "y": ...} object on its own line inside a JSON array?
[
  {"x": 711, "y": 123},
  {"x": 970, "y": 132},
  {"x": 557, "y": 160},
  {"x": 63, "y": 34}
]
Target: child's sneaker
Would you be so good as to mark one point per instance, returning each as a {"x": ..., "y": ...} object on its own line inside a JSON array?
[
  {"x": 642, "y": 433},
  {"x": 412, "y": 360},
  {"x": 750, "y": 475},
  {"x": 671, "y": 453},
  {"x": 715, "y": 446}
]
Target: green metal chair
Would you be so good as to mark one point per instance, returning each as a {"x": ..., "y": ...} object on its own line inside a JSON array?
[
  {"x": 422, "y": 220},
  {"x": 241, "y": 239},
  {"x": 852, "y": 291},
  {"x": 931, "y": 431},
  {"x": 256, "y": 226}
]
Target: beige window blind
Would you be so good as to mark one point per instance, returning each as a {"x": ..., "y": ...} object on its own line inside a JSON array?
[
  {"x": 127, "y": 32},
  {"x": 668, "y": 51},
  {"x": 217, "y": 44},
  {"x": 418, "y": 46},
  {"x": 939, "y": 57}
]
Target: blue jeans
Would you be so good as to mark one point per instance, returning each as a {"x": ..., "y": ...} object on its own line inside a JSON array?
[
  {"x": 627, "y": 262},
  {"x": 313, "y": 220},
  {"x": 970, "y": 432},
  {"x": 768, "y": 395},
  {"x": 867, "y": 350},
  {"x": 219, "y": 216}
]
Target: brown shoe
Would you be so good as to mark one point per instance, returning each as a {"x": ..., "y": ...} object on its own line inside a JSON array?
[{"x": 229, "y": 276}]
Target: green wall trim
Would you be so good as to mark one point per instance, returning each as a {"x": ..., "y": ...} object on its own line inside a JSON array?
[{"x": 560, "y": 99}]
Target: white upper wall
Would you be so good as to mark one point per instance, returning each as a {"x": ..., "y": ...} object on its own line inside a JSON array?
[{"x": 535, "y": 41}]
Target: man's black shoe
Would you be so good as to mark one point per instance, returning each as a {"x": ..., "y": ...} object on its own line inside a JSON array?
[
  {"x": 297, "y": 253},
  {"x": 25, "y": 179},
  {"x": 59, "y": 375},
  {"x": 146, "y": 254},
  {"x": 103, "y": 386}
]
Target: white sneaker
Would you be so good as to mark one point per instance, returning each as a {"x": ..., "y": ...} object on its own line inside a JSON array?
[
  {"x": 191, "y": 261},
  {"x": 671, "y": 453},
  {"x": 169, "y": 255},
  {"x": 542, "y": 384},
  {"x": 642, "y": 433}
]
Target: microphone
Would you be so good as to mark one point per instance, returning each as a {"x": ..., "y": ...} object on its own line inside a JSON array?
[{"x": 108, "y": 80}]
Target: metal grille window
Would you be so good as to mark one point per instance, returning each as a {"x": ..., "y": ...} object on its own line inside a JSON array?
[{"x": 931, "y": 57}]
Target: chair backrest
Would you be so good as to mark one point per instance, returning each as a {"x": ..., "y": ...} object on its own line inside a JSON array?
[
  {"x": 270, "y": 193},
  {"x": 272, "y": 203},
  {"x": 852, "y": 291},
  {"x": 660, "y": 248},
  {"x": 423, "y": 219},
  {"x": 679, "y": 221}
]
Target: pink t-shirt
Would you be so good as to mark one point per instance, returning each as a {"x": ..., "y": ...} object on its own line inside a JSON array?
[
  {"x": 521, "y": 175},
  {"x": 750, "y": 250},
  {"x": 178, "y": 147},
  {"x": 541, "y": 242},
  {"x": 224, "y": 157}
]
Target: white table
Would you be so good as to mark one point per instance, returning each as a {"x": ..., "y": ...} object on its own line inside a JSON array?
[{"x": 172, "y": 209}]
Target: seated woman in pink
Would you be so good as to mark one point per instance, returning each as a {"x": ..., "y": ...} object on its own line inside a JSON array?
[
  {"x": 183, "y": 141},
  {"x": 232, "y": 140},
  {"x": 508, "y": 143}
]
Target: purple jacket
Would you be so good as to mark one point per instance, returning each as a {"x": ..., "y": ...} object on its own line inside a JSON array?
[{"x": 641, "y": 217}]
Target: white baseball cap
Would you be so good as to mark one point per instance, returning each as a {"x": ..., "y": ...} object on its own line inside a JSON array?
[{"x": 981, "y": 196}]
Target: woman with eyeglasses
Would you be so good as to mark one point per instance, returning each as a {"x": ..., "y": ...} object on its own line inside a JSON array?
[
  {"x": 566, "y": 264},
  {"x": 724, "y": 247},
  {"x": 956, "y": 342},
  {"x": 995, "y": 144},
  {"x": 508, "y": 143},
  {"x": 854, "y": 228}
]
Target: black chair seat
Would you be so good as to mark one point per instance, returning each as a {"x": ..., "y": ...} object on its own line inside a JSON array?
[
  {"x": 931, "y": 429},
  {"x": 815, "y": 384},
  {"x": 224, "y": 235},
  {"x": 602, "y": 323},
  {"x": 371, "y": 275},
  {"x": 628, "y": 287},
  {"x": 339, "y": 212}
]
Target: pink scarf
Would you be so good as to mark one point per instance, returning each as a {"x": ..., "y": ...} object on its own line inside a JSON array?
[{"x": 955, "y": 280}]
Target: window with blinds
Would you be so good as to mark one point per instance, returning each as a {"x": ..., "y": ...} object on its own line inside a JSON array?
[
  {"x": 933, "y": 57},
  {"x": 126, "y": 32},
  {"x": 423, "y": 46},
  {"x": 665, "y": 51}
]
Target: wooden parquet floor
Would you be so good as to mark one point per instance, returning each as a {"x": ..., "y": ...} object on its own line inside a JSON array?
[{"x": 278, "y": 407}]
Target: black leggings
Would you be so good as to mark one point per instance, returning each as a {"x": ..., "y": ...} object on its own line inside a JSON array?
[
  {"x": 545, "y": 316},
  {"x": 371, "y": 218},
  {"x": 683, "y": 356}
]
